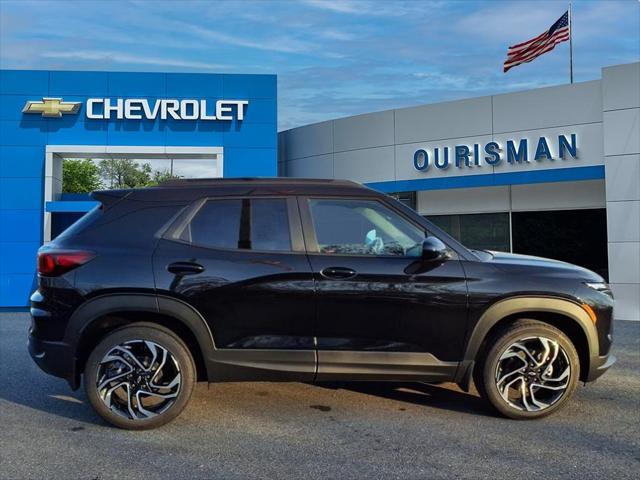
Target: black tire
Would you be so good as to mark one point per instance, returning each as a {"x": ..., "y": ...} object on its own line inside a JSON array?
[
  {"x": 183, "y": 365},
  {"x": 486, "y": 370}
]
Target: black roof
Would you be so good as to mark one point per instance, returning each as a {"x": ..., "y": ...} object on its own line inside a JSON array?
[{"x": 188, "y": 189}]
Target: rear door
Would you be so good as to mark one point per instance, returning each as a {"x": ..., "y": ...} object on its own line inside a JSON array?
[{"x": 241, "y": 263}]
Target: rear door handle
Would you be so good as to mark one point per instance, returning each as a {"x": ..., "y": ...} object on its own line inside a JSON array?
[
  {"x": 338, "y": 273},
  {"x": 185, "y": 268}
]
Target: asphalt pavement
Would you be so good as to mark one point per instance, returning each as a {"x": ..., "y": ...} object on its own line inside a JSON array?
[{"x": 296, "y": 430}]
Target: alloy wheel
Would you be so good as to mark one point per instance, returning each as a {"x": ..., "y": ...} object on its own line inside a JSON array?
[
  {"x": 138, "y": 379},
  {"x": 533, "y": 374}
]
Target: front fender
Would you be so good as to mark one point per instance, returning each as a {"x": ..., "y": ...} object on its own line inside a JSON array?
[{"x": 521, "y": 305}]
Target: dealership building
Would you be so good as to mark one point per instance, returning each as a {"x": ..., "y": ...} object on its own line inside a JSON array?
[
  {"x": 214, "y": 125},
  {"x": 553, "y": 171}
]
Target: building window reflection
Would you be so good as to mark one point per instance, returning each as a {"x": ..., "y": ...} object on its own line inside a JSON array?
[{"x": 481, "y": 231}]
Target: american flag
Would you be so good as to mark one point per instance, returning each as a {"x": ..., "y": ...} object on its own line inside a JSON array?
[{"x": 527, "y": 51}]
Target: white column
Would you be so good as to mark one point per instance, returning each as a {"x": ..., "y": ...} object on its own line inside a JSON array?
[
  {"x": 52, "y": 188},
  {"x": 621, "y": 125}
]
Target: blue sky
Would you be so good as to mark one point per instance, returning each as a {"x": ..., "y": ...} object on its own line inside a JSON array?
[{"x": 333, "y": 58}]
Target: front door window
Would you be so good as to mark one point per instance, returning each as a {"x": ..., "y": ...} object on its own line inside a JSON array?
[{"x": 363, "y": 227}]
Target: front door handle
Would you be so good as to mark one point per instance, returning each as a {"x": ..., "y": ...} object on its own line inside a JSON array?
[
  {"x": 185, "y": 268},
  {"x": 338, "y": 273}
]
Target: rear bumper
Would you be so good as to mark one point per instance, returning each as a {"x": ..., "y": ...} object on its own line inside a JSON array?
[
  {"x": 599, "y": 365},
  {"x": 54, "y": 358}
]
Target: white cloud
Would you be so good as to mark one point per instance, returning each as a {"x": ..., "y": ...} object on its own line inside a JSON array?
[
  {"x": 117, "y": 57},
  {"x": 339, "y": 6},
  {"x": 443, "y": 80},
  {"x": 375, "y": 7},
  {"x": 510, "y": 24},
  {"x": 516, "y": 22},
  {"x": 332, "y": 34},
  {"x": 274, "y": 43}
]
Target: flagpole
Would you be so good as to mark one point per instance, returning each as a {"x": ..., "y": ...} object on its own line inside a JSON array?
[{"x": 570, "y": 44}]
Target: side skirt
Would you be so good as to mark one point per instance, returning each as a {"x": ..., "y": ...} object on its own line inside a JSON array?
[
  {"x": 383, "y": 366},
  {"x": 268, "y": 365},
  {"x": 232, "y": 365}
]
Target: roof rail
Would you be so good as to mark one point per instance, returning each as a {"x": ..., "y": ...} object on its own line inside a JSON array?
[{"x": 194, "y": 182}]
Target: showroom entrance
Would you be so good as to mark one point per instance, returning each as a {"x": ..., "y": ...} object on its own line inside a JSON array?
[{"x": 62, "y": 207}]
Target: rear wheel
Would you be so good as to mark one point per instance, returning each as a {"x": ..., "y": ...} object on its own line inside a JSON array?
[
  {"x": 139, "y": 377},
  {"x": 530, "y": 370}
]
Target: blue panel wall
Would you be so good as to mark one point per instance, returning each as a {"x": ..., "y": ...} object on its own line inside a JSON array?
[{"x": 249, "y": 145}]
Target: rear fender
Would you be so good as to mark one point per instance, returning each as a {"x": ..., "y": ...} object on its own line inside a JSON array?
[{"x": 98, "y": 307}]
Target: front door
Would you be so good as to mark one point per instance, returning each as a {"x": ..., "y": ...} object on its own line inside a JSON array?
[
  {"x": 382, "y": 313},
  {"x": 240, "y": 262}
]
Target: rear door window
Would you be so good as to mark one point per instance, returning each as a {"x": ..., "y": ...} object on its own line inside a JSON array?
[
  {"x": 216, "y": 224},
  {"x": 240, "y": 223}
]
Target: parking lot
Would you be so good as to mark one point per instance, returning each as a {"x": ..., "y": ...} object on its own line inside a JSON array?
[{"x": 270, "y": 430}]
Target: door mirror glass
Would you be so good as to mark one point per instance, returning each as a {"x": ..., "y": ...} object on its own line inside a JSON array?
[{"x": 433, "y": 250}]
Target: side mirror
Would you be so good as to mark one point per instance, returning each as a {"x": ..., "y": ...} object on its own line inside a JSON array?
[{"x": 433, "y": 250}]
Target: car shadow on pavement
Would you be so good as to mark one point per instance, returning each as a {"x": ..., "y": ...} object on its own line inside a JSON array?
[
  {"x": 27, "y": 391},
  {"x": 51, "y": 397},
  {"x": 443, "y": 397},
  {"x": 59, "y": 403}
]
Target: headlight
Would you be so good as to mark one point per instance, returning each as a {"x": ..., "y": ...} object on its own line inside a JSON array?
[{"x": 600, "y": 287}]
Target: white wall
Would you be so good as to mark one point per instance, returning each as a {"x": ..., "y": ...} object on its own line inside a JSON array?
[
  {"x": 463, "y": 200},
  {"x": 621, "y": 114},
  {"x": 517, "y": 198},
  {"x": 379, "y": 147}
]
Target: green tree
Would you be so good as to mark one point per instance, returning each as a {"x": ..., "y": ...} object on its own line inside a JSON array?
[
  {"x": 80, "y": 176},
  {"x": 125, "y": 173},
  {"x": 160, "y": 176}
]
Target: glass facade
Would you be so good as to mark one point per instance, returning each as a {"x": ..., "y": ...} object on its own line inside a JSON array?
[
  {"x": 574, "y": 236},
  {"x": 408, "y": 198},
  {"x": 482, "y": 231}
]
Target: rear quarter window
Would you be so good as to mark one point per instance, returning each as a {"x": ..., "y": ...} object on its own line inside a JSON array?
[
  {"x": 82, "y": 223},
  {"x": 128, "y": 224}
]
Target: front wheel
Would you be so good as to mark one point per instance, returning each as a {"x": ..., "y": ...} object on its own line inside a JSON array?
[
  {"x": 139, "y": 377},
  {"x": 530, "y": 370}
]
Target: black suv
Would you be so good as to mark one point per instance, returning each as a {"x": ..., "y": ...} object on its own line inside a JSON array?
[{"x": 302, "y": 280}]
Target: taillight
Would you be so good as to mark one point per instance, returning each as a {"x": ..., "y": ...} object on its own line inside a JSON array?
[{"x": 54, "y": 263}]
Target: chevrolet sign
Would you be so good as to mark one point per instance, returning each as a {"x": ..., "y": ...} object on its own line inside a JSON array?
[
  {"x": 186, "y": 109},
  {"x": 51, "y": 107},
  {"x": 141, "y": 109}
]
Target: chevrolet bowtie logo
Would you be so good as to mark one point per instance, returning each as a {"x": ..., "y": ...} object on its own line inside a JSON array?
[{"x": 51, "y": 107}]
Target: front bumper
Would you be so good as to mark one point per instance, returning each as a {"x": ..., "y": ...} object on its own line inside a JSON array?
[
  {"x": 54, "y": 358},
  {"x": 599, "y": 365}
]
